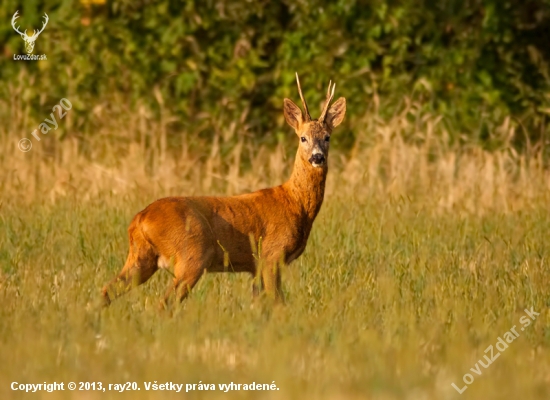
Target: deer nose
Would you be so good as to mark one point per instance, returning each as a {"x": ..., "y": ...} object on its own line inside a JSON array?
[{"x": 317, "y": 159}]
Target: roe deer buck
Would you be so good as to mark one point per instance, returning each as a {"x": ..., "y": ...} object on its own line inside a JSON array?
[{"x": 218, "y": 234}]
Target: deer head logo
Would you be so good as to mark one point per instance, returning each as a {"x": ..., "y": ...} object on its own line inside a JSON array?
[{"x": 29, "y": 40}]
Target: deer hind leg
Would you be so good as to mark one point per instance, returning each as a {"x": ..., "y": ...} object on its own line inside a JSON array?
[
  {"x": 140, "y": 265},
  {"x": 188, "y": 269}
]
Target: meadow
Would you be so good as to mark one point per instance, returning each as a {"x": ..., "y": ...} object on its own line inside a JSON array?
[{"x": 424, "y": 254}]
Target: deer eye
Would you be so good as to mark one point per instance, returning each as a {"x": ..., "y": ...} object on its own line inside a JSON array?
[
  {"x": 304, "y": 139},
  {"x": 327, "y": 138}
]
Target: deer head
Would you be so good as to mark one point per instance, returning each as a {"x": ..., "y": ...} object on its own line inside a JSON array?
[
  {"x": 315, "y": 134},
  {"x": 29, "y": 40}
]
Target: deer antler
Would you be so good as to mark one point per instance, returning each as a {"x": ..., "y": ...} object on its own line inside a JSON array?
[
  {"x": 15, "y": 16},
  {"x": 24, "y": 34},
  {"x": 308, "y": 117},
  {"x": 330, "y": 95},
  {"x": 46, "y": 19}
]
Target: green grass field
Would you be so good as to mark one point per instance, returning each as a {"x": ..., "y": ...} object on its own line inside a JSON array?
[
  {"x": 393, "y": 299},
  {"x": 422, "y": 257}
]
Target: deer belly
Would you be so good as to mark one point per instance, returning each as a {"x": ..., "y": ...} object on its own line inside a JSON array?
[{"x": 233, "y": 260}]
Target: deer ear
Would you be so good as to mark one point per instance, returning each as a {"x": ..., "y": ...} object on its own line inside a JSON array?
[
  {"x": 336, "y": 113},
  {"x": 293, "y": 114}
]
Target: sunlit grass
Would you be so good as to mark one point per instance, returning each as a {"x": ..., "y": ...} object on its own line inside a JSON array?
[{"x": 389, "y": 301}]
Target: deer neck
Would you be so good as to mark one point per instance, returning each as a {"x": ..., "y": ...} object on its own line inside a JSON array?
[{"x": 307, "y": 186}]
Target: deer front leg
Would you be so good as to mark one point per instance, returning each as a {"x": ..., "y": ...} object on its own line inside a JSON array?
[
  {"x": 271, "y": 278},
  {"x": 257, "y": 286}
]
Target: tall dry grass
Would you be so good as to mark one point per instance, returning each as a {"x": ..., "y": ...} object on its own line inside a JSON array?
[{"x": 138, "y": 149}]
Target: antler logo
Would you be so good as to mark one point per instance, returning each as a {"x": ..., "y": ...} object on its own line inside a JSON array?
[{"x": 29, "y": 40}]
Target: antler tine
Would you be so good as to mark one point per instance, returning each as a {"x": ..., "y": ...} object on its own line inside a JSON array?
[
  {"x": 308, "y": 117},
  {"x": 330, "y": 95},
  {"x": 15, "y": 16},
  {"x": 46, "y": 19}
]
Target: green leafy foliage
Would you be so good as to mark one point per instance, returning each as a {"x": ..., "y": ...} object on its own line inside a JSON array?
[{"x": 209, "y": 63}]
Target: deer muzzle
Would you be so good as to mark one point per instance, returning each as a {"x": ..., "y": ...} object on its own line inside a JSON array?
[{"x": 317, "y": 159}]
